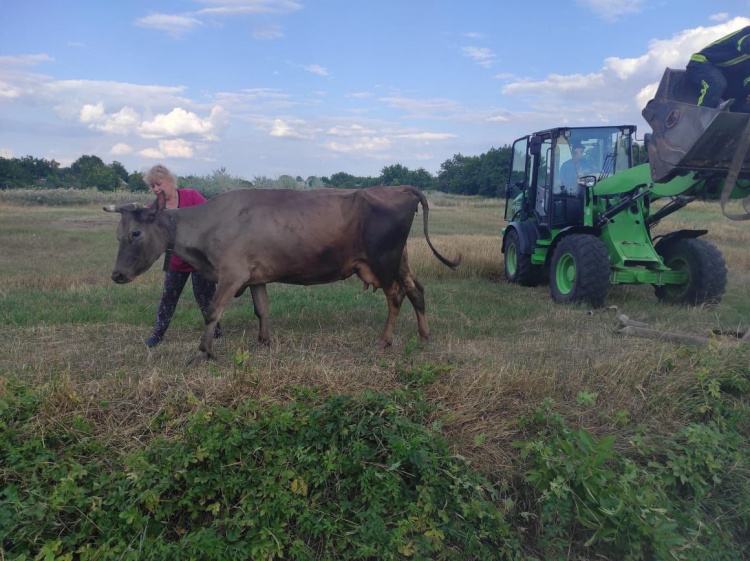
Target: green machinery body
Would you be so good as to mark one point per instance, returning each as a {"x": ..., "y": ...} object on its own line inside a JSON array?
[{"x": 577, "y": 225}]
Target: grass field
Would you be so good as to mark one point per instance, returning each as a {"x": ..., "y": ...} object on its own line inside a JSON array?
[{"x": 499, "y": 353}]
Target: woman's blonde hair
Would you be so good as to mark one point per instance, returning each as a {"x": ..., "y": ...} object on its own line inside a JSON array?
[{"x": 159, "y": 173}]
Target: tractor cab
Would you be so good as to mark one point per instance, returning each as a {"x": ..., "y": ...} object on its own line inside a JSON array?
[{"x": 552, "y": 170}]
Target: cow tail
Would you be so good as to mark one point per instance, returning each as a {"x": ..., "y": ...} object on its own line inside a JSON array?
[{"x": 426, "y": 210}]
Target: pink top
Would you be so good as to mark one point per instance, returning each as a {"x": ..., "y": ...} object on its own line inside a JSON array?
[{"x": 186, "y": 197}]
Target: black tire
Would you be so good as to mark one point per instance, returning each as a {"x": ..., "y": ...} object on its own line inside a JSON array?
[
  {"x": 705, "y": 266},
  {"x": 579, "y": 271},
  {"x": 518, "y": 266}
]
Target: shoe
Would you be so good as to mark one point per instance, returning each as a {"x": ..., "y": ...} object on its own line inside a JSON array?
[
  {"x": 725, "y": 105},
  {"x": 152, "y": 342}
]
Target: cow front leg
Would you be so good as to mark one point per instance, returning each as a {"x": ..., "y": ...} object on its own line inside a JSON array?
[
  {"x": 225, "y": 291},
  {"x": 394, "y": 296},
  {"x": 260, "y": 303}
]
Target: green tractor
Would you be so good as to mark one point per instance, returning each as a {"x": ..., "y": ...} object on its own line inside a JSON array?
[{"x": 580, "y": 211}]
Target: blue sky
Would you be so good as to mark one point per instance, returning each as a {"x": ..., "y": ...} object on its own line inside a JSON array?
[{"x": 314, "y": 87}]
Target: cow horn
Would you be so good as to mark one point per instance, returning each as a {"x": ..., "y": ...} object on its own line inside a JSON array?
[{"x": 129, "y": 207}]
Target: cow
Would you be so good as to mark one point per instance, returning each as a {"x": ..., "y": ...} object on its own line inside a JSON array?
[{"x": 250, "y": 237}]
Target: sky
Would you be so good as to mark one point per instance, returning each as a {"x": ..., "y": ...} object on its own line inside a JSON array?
[{"x": 316, "y": 87}]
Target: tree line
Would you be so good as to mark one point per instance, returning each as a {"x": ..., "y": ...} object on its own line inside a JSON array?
[{"x": 483, "y": 175}]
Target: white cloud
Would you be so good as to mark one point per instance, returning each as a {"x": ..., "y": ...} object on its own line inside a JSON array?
[
  {"x": 67, "y": 97},
  {"x": 6, "y": 153},
  {"x": 268, "y": 32},
  {"x": 25, "y": 60},
  {"x": 125, "y": 121},
  {"x": 175, "y": 25},
  {"x": 437, "y": 107},
  {"x": 120, "y": 149},
  {"x": 722, "y": 16},
  {"x": 180, "y": 122},
  {"x": 619, "y": 90},
  {"x": 481, "y": 55},
  {"x": 8, "y": 91},
  {"x": 175, "y": 148},
  {"x": 611, "y": 9},
  {"x": 317, "y": 69},
  {"x": 427, "y": 135},
  {"x": 352, "y": 130},
  {"x": 90, "y": 113},
  {"x": 284, "y": 129},
  {"x": 249, "y": 7},
  {"x": 360, "y": 95},
  {"x": 366, "y": 146}
]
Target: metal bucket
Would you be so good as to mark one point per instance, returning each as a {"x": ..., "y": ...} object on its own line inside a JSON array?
[{"x": 687, "y": 138}]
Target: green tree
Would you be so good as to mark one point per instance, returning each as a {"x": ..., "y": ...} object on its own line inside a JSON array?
[
  {"x": 136, "y": 182},
  {"x": 342, "y": 180},
  {"x": 92, "y": 172},
  {"x": 395, "y": 175},
  {"x": 120, "y": 170}
]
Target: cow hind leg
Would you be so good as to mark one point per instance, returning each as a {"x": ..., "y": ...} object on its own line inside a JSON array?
[
  {"x": 415, "y": 292},
  {"x": 394, "y": 296},
  {"x": 260, "y": 302},
  {"x": 416, "y": 297}
]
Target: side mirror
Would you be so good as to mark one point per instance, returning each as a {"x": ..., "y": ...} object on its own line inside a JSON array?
[
  {"x": 587, "y": 181},
  {"x": 535, "y": 145}
]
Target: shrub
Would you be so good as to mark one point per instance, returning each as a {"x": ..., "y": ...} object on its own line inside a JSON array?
[
  {"x": 345, "y": 478},
  {"x": 684, "y": 495}
]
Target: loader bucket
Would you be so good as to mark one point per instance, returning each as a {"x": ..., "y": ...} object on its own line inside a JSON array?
[{"x": 687, "y": 138}]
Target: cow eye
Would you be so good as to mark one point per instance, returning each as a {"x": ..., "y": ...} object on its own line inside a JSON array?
[{"x": 136, "y": 234}]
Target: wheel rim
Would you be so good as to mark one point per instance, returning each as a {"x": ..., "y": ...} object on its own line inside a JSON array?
[
  {"x": 678, "y": 264},
  {"x": 565, "y": 274},
  {"x": 511, "y": 259}
]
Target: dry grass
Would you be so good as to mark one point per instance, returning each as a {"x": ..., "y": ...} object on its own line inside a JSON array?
[{"x": 508, "y": 347}]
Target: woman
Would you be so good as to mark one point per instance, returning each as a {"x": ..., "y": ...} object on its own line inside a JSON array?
[{"x": 161, "y": 180}]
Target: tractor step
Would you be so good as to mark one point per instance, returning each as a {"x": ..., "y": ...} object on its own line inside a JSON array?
[{"x": 647, "y": 276}]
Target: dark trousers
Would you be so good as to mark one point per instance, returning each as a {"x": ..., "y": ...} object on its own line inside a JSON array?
[
  {"x": 710, "y": 81},
  {"x": 174, "y": 283}
]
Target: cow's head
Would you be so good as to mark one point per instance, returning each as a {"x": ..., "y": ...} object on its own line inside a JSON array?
[{"x": 143, "y": 234}]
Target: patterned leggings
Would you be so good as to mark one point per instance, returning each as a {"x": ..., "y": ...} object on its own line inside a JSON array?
[{"x": 174, "y": 282}]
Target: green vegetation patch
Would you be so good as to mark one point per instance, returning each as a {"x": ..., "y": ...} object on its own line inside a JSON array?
[
  {"x": 684, "y": 495},
  {"x": 342, "y": 478}
]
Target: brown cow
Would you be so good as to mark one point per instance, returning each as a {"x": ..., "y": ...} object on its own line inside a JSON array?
[{"x": 250, "y": 237}]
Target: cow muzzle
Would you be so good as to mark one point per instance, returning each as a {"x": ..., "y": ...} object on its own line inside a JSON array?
[{"x": 120, "y": 278}]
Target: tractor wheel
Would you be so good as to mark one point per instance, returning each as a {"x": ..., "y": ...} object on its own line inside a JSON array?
[
  {"x": 579, "y": 271},
  {"x": 518, "y": 266},
  {"x": 705, "y": 268}
]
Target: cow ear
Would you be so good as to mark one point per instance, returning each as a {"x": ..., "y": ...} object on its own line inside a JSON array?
[
  {"x": 155, "y": 209},
  {"x": 161, "y": 202}
]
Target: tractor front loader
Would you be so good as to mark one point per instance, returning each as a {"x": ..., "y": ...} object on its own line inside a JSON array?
[{"x": 581, "y": 212}]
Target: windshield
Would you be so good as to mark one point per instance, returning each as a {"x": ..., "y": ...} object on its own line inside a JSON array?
[{"x": 597, "y": 151}]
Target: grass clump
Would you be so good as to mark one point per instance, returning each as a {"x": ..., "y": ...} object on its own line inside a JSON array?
[
  {"x": 346, "y": 477},
  {"x": 684, "y": 495}
]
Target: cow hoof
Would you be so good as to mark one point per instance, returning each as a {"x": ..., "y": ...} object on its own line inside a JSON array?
[
  {"x": 199, "y": 357},
  {"x": 265, "y": 343},
  {"x": 384, "y": 344}
]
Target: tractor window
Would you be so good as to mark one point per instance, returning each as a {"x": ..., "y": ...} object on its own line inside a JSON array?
[
  {"x": 544, "y": 180},
  {"x": 518, "y": 179}
]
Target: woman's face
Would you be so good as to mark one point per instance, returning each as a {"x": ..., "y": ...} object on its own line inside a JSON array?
[{"x": 165, "y": 186}]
